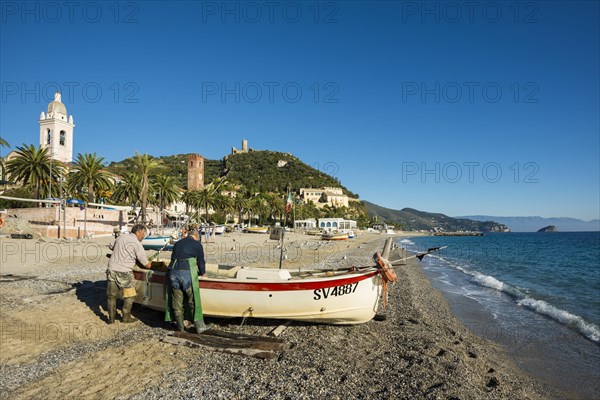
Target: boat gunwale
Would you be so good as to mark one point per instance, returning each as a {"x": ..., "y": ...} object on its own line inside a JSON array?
[{"x": 300, "y": 283}]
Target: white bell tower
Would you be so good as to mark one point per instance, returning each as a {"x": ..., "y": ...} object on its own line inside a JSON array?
[{"x": 56, "y": 131}]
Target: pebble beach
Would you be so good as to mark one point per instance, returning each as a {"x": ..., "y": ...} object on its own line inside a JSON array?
[{"x": 55, "y": 342}]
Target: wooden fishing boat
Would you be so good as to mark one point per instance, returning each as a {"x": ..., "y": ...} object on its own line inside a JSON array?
[
  {"x": 257, "y": 229},
  {"x": 334, "y": 236},
  {"x": 342, "y": 296}
]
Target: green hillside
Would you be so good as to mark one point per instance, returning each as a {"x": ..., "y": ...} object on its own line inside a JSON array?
[
  {"x": 411, "y": 219},
  {"x": 264, "y": 171},
  {"x": 270, "y": 171},
  {"x": 258, "y": 171},
  {"x": 175, "y": 165}
]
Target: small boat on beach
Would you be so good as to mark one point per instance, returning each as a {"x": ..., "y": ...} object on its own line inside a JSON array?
[
  {"x": 334, "y": 236},
  {"x": 329, "y": 296},
  {"x": 219, "y": 229},
  {"x": 157, "y": 243},
  {"x": 314, "y": 232},
  {"x": 257, "y": 229},
  {"x": 341, "y": 296}
]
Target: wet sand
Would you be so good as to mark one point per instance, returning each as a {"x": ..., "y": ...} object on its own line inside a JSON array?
[{"x": 55, "y": 342}]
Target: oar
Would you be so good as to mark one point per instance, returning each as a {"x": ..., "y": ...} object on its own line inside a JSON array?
[{"x": 421, "y": 255}]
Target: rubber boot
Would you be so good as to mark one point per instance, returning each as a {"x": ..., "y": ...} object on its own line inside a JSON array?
[
  {"x": 112, "y": 309},
  {"x": 127, "y": 304},
  {"x": 177, "y": 303},
  {"x": 179, "y": 320},
  {"x": 201, "y": 326}
]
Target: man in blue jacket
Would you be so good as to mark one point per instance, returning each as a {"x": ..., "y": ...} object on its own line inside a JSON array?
[{"x": 187, "y": 263}]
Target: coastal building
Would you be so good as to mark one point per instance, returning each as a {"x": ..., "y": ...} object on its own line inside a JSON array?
[
  {"x": 332, "y": 196},
  {"x": 335, "y": 197},
  {"x": 383, "y": 228},
  {"x": 195, "y": 172},
  {"x": 309, "y": 194},
  {"x": 336, "y": 224},
  {"x": 305, "y": 224},
  {"x": 56, "y": 131}
]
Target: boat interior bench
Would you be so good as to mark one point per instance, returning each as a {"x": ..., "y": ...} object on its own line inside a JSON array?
[
  {"x": 216, "y": 271},
  {"x": 241, "y": 273}
]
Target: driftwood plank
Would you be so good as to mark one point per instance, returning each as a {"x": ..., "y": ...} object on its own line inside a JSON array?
[
  {"x": 179, "y": 341},
  {"x": 225, "y": 342},
  {"x": 242, "y": 336},
  {"x": 252, "y": 352},
  {"x": 14, "y": 278},
  {"x": 279, "y": 330}
]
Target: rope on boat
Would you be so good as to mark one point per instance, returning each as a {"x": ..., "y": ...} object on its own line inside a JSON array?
[
  {"x": 245, "y": 315},
  {"x": 387, "y": 274}
]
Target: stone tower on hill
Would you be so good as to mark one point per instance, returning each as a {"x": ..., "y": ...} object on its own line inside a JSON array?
[
  {"x": 56, "y": 131},
  {"x": 195, "y": 172},
  {"x": 243, "y": 150}
]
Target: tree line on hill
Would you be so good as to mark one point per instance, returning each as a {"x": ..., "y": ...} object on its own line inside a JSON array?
[{"x": 258, "y": 180}]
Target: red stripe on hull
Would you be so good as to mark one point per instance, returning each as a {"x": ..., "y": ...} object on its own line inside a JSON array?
[{"x": 266, "y": 286}]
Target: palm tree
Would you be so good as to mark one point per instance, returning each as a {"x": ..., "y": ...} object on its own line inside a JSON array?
[
  {"x": 258, "y": 207},
  {"x": 88, "y": 175},
  {"x": 3, "y": 143},
  {"x": 188, "y": 197},
  {"x": 276, "y": 205},
  {"x": 127, "y": 191},
  {"x": 165, "y": 191},
  {"x": 209, "y": 196},
  {"x": 225, "y": 205},
  {"x": 240, "y": 204},
  {"x": 31, "y": 166},
  {"x": 144, "y": 165}
]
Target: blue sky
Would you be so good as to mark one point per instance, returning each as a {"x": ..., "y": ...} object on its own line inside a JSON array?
[{"x": 453, "y": 107}]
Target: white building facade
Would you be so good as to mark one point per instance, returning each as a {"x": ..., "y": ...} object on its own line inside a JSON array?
[
  {"x": 56, "y": 131},
  {"x": 336, "y": 224}
]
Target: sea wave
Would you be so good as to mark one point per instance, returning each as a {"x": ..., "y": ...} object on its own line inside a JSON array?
[
  {"x": 491, "y": 282},
  {"x": 587, "y": 329},
  {"x": 407, "y": 242}
]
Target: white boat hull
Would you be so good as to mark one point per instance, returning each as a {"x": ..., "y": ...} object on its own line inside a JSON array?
[
  {"x": 347, "y": 298},
  {"x": 219, "y": 229},
  {"x": 155, "y": 242}
]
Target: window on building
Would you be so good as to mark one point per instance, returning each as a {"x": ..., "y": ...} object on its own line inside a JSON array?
[
  {"x": 191, "y": 164},
  {"x": 62, "y": 138},
  {"x": 48, "y": 136}
]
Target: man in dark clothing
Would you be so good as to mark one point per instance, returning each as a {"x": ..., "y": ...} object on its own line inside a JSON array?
[{"x": 187, "y": 263}]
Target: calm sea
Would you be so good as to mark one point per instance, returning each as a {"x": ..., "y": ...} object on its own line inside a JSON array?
[{"x": 537, "y": 294}]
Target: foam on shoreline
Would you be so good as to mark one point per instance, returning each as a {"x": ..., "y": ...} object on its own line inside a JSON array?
[{"x": 587, "y": 329}]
